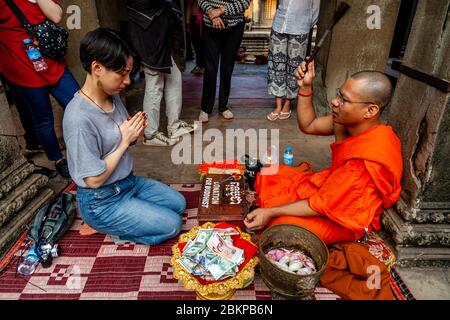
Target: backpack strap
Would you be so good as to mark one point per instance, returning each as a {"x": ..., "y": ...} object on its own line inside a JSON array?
[
  {"x": 19, "y": 14},
  {"x": 35, "y": 230}
]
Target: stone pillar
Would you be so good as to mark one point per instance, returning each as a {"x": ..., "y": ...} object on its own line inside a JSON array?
[
  {"x": 327, "y": 9},
  {"x": 420, "y": 114},
  {"x": 353, "y": 46},
  {"x": 88, "y": 21},
  {"x": 21, "y": 191},
  {"x": 109, "y": 14}
]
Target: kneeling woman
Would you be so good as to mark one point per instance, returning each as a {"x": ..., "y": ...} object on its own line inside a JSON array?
[{"x": 98, "y": 133}]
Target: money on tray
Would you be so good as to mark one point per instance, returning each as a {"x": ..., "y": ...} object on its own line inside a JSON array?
[
  {"x": 212, "y": 255},
  {"x": 293, "y": 261}
]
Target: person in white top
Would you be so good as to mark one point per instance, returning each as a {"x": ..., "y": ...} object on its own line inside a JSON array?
[{"x": 293, "y": 22}]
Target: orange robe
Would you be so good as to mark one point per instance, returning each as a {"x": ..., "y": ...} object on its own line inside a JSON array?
[{"x": 364, "y": 177}]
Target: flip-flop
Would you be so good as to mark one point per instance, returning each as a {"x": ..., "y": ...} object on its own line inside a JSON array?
[
  {"x": 273, "y": 116},
  {"x": 284, "y": 115}
]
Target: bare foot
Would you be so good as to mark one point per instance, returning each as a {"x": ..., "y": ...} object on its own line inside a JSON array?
[{"x": 86, "y": 230}]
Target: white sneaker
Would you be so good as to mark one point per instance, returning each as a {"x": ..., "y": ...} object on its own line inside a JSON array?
[
  {"x": 183, "y": 128},
  {"x": 159, "y": 139},
  {"x": 203, "y": 117},
  {"x": 227, "y": 115}
]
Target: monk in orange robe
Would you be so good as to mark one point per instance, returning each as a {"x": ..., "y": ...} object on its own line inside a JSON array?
[{"x": 342, "y": 202}]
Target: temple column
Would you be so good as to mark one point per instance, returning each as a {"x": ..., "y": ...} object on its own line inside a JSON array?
[
  {"x": 420, "y": 114},
  {"x": 360, "y": 41},
  {"x": 86, "y": 12}
]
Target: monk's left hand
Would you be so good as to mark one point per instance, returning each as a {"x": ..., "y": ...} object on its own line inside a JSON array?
[{"x": 257, "y": 219}]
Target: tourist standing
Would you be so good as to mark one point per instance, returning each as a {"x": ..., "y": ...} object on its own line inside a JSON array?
[
  {"x": 34, "y": 82},
  {"x": 152, "y": 30},
  {"x": 292, "y": 25},
  {"x": 194, "y": 19},
  {"x": 223, "y": 28}
]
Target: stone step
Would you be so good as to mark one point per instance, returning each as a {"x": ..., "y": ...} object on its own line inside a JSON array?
[
  {"x": 415, "y": 256},
  {"x": 23, "y": 193},
  {"x": 427, "y": 212},
  {"x": 422, "y": 257},
  {"x": 15, "y": 178},
  {"x": 12, "y": 230},
  {"x": 14, "y": 166},
  {"x": 410, "y": 234}
]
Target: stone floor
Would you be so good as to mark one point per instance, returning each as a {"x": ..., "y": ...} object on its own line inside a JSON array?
[{"x": 250, "y": 103}]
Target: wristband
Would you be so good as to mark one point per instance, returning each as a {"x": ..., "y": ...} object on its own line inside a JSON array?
[{"x": 305, "y": 94}]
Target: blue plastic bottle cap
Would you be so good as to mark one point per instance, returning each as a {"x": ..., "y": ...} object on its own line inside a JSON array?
[
  {"x": 288, "y": 149},
  {"x": 27, "y": 41}
]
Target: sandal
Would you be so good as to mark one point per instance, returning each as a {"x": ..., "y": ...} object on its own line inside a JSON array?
[
  {"x": 273, "y": 116},
  {"x": 284, "y": 115}
]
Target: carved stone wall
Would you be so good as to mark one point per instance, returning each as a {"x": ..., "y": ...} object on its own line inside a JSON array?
[
  {"x": 420, "y": 114},
  {"x": 21, "y": 191}
]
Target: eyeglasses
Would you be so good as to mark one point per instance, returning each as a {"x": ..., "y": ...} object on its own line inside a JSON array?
[{"x": 342, "y": 100}]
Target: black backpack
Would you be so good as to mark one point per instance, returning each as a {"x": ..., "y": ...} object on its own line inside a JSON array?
[{"x": 52, "y": 221}]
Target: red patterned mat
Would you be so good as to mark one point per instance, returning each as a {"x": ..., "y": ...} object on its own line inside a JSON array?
[{"x": 94, "y": 267}]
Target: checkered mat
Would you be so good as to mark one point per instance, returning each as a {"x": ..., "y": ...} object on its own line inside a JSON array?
[{"x": 94, "y": 267}]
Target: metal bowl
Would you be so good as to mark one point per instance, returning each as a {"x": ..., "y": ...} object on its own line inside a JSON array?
[{"x": 282, "y": 283}]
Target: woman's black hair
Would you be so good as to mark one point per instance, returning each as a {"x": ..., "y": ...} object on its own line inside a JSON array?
[{"x": 107, "y": 47}]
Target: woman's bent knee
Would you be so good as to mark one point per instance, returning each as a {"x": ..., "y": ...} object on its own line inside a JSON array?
[
  {"x": 179, "y": 203},
  {"x": 174, "y": 227}
]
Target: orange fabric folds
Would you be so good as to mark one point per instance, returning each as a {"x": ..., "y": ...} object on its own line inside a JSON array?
[
  {"x": 364, "y": 177},
  {"x": 354, "y": 274}
]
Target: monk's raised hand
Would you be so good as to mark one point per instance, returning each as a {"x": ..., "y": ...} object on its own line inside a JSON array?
[
  {"x": 305, "y": 73},
  {"x": 257, "y": 219}
]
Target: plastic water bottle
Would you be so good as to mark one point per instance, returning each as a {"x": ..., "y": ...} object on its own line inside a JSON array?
[
  {"x": 30, "y": 262},
  {"x": 288, "y": 157},
  {"x": 34, "y": 55}
]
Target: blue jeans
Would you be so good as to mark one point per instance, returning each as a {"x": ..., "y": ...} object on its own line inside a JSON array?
[
  {"x": 37, "y": 102},
  {"x": 135, "y": 209}
]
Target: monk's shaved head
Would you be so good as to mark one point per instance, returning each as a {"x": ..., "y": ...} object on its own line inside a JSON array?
[{"x": 375, "y": 87}]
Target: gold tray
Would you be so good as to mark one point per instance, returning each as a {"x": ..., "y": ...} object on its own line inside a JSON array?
[{"x": 223, "y": 290}]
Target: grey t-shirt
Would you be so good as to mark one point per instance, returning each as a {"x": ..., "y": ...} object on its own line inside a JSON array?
[{"x": 90, "y": 135}]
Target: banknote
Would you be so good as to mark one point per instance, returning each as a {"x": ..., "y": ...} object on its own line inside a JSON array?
[
  {"x": 219, "y": 266},
  {"x": 188, "y": 245},
  {"x": 220, "y": 247},
  {"x": 198, "y": 244},
  {"x": 187, "y": 263},
  {"x": 223, "y": 232},
  {"x": 204, "y": 256},
  {"x": 193, "y": 267}
]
